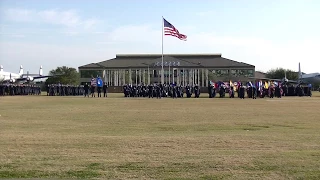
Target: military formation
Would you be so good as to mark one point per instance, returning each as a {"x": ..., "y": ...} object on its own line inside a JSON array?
[
  {"x": 160, "y": 91},
  {"x": 19, "y": 89},
  {"x": 214, "y": 90},
  {"x": 252, "y": 91},
  {"x": 64, "y": 90},
  {"x": 218, "y": 89}
]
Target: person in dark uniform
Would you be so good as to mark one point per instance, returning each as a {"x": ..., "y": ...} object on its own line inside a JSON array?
[
  {"x": 86, "y": 90},
  {"x": 222, "y": 91},
  {"x": 231, "y": 92},
  {"x": 210, "y": 90},
  {"x": 188, "y": 91},
  {"x": 159, "y": 95},
  {"x": 174, "y": 92},
  {"x": 241, "y": 92},
  {"x": 1, "y": 90},
  {"x": 196, "y": 91},
  {"x": 99, "y": 91},
  {"x": 309, "y": 93},
  {"x": 150, "y": 90},
  {"x": 92, "y": 89},
  {"x": 254, "y": 92},
  {"x": 278, "y": 92},
  {"x": 105, "y": 87},
  {"x": 271, "y": 91}
]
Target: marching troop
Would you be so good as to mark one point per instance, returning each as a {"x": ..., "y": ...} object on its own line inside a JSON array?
[
  {"x": 218, "y": 89},
  {"x": 64, "y": 90},
  {"x": 19, "y": 89},
  {"x": 215, "y": 89},
  {"x": 160, "y": 90},
  {"x": 259, "y": 89}
]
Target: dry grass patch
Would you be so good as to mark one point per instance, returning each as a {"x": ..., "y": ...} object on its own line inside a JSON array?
[{"x": 118, "y": 138}]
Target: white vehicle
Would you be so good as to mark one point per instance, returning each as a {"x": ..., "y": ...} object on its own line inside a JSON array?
[
  {"x": 303, "y": 78},
  {"x": 9, "y": 77}
]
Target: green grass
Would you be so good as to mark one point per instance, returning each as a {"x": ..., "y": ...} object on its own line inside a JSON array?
[{"x": 141, "y": 138}]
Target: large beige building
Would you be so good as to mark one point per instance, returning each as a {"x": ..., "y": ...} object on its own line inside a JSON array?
[{"x": 178, "y": 68}]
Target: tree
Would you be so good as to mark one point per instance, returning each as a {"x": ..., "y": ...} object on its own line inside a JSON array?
[
  {"x": 64, "y": 75},
  {"x": 279, "y": 73}
]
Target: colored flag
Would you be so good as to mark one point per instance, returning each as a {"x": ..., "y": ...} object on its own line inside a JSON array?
[
  {"x": 99, "y": 82},
  {"x": 170, "y": 30},
  {"x": 231, "y": 84},
  {"x": 93, "y": 82}
]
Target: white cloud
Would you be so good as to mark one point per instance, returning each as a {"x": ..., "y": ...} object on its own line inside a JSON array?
[{"x": 67, "y": 18}]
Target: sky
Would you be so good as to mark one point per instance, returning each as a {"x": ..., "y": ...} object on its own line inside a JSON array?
[{"x": 52, "y": 33}]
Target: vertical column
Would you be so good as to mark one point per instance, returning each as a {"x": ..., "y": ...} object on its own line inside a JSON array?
[
  {"x": 191, "y": 76},
  {"x": 136, "y": 76},
  {"x": 178, "y": 76},
  {"x": 108, "y": 73},
  {"x": 183, "y": 78},
  {"x": 202, "y": 77},
  {"x": 198, "y": 77},
  {"x": 149, "y": 75},
  {"x": 117, "y": 76},
  {"x": 120, "y": 77},
  {"x": 172, "y": 75},
  {"x": 194, "y": 76},
  {"x": 187, "y": 76},
  {"x": 207, "y": 77},
  {"x": 110, "y": 77},
  {"x": 140, "y": 76},
  {"x": 144, "y": 76},
  {"x": 114, "y": 78},
  {"x": 158, "y": 72},
  {"x": 123, "y": 75},
  {"x": 169, "y": 75},
  {"x": 104, "y": 76},
  {"x": 130, "y": 76}
]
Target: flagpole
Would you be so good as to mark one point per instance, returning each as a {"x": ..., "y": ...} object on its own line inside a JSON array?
[{"x": 162, "y": 72}]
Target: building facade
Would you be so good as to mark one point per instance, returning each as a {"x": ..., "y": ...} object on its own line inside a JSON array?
[{"x": 178, "y": 68}]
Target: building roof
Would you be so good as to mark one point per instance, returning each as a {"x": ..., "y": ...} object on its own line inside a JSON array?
[
  {"x": 154, "y": 60},
  {"x": 259, "y": 74}
]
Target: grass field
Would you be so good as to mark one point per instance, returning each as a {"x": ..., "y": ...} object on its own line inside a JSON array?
[{"x": 137, "y": 138}]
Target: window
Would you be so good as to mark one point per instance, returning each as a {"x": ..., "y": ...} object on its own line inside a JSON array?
[
  {"x": 224, "y": 72},
  {"x": 250, "y": 73},
  {"x": 155, "y": 73},
  {"x": 242, "y": 72},
  {"x": 220, "y": 72}
]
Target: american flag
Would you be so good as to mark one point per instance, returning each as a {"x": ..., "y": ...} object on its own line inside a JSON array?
[
  {"x": 170, "y": 30},
  {"x": 93, "y": 82}
]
